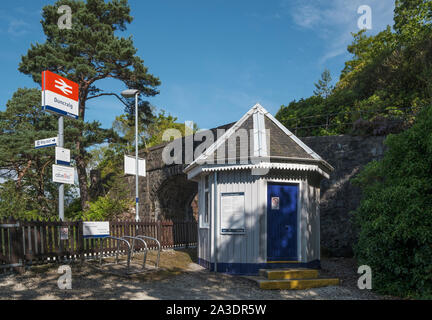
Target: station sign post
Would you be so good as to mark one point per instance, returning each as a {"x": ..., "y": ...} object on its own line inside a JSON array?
[{"x": 60, "y": 96}]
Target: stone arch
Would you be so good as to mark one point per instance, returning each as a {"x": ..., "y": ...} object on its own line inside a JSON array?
[{"x": 174, "y": 197}]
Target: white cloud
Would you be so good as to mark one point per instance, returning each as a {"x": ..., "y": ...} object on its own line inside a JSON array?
[
  {"x": 18, "y": 27},
  {"x": 334, "y": 21}
]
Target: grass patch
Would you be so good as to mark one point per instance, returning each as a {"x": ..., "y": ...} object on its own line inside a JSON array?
[{"x": 172, "y": 263}]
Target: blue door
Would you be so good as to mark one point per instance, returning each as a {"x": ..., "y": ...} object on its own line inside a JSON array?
[{"x": 282, "y": 222}]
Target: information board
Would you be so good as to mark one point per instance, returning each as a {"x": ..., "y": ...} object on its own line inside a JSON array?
[
  {"x": 232, "y": 213},
  {"x": 96, "y": 229},
  {"x": 63, "y": 174}
]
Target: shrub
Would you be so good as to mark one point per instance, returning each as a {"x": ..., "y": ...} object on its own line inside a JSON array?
[
  {"x": 106, "y": 208},
  {"x": 394, "y": 218}
]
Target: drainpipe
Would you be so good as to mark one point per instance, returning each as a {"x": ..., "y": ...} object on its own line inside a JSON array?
[{"x": 215, "y": 210}]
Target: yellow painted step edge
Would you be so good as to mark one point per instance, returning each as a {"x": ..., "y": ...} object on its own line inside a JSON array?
[
  {"x": 290, "y": 274},
  {"x": 297, "y": 284}
]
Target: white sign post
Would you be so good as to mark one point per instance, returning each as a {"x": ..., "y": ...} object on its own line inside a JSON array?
[
  {"x": 63, "y": 174},
  {"x": 50, "y": 142},
  {"x": 129, "y": 166}
]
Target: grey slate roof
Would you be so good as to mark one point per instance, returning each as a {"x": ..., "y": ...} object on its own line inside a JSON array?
[{"x": 281, "y": 145}]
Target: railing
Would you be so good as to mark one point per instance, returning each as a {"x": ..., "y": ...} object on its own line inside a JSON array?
[{"x": 35, "y": 242}]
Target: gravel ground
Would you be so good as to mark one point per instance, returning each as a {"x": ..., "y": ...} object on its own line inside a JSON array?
[{"x": 193, "y": 283}]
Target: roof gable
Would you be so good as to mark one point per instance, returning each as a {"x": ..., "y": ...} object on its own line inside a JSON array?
[{"x": 267, "y": 139}]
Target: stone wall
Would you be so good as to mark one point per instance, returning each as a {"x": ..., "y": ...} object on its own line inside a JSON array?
[
  {"x": 348, "y": 155},
  {"x": 166, "y": 192}
]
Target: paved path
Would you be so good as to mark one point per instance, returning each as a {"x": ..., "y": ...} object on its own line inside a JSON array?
[{"x": 195, "y": 283}]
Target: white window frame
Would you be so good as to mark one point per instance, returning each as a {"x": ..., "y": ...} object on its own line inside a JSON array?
[{"x": 206, "y": 207}]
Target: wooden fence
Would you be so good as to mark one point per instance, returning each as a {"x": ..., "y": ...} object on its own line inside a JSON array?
[{"x": 34, "y": 242}]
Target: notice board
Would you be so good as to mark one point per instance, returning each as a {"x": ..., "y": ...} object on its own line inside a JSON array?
[{"x": 232, "y": 213}]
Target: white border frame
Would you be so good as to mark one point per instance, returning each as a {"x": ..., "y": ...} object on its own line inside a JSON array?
[
  {"x": 220, "y": 214},
  {"x": 201, "y": 204}
]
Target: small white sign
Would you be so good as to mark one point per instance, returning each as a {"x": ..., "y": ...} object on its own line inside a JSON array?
[
  {"x": 275, "y": 202},
  {"x": 64, "y": 233},
  {"x": 63, "y": 174},
  {"x": 46, "y": 143},
  {"x": 129, "y": 166},
  {"x": 96, "y": 229},
  {"x": 62, "y": 156}
]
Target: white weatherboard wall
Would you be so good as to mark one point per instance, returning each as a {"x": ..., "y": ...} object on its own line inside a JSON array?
[{"x": 249, "y": 247}]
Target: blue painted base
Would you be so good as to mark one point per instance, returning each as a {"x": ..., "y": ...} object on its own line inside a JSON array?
[{"x": 253, "y": 268}]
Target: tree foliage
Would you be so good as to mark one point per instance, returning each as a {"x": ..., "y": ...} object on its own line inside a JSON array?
[
  {"x": 27, "y": 171},
  {"x": 382, "y": 87},
  {"x": 395, "y": 215},
  {"x": 90, "y": 51}
]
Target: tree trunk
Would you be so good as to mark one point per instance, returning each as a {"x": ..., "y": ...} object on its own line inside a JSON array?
[
  {"x": 82, "y": 179},
  {"x": 80, "y": 160}
]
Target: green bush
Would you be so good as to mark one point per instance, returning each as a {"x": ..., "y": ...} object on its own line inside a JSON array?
[
  {"x": 394, "y": 218},
  {"x": 103, "y": 209}
]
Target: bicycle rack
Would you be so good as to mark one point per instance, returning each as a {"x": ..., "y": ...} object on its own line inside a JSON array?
[
  {"x": 133, "y": 246},
  {"x": 117, "y": 251},
  {"x": 159, "y": 247},
  {"x": 130, "y": 251}
]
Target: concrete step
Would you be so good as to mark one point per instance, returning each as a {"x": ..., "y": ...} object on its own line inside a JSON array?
[
  {"x": 287, "y": 274},
  {"x": 294, "y": 284}
]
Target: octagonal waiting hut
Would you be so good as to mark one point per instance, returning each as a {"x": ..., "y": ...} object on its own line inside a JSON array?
[{"x": 259, "y": 192}]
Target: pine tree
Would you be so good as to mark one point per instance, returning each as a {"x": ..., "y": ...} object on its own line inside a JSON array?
[
  {"x": 27, "y": 171},
  {"x": 323, "y": 87},
  {"x": 88, "y": 52}
]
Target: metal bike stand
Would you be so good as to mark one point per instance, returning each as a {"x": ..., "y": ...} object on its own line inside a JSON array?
[
  {"x": 117, "y": 251},
  {"x": 159, "y": 247},
  {"x": 133, "y": 246}
]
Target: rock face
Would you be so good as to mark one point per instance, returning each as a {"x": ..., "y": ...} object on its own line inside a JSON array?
[
  {"x": 166, "y": 192},
  {"x": 348, "y": 155}
]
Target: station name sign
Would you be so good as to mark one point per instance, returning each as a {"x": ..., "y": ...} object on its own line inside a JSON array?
[{"x": 59, "y": 95}]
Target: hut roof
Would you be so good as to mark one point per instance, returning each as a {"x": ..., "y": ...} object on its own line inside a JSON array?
[{"x": 257, "y": 140}]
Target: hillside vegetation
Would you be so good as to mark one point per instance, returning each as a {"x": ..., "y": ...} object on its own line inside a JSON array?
[{"x": 381, "y": 89}]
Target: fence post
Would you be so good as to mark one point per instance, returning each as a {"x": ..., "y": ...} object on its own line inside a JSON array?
[
  {"x": 159, "y": 231},
  {"x": 187, "y": 234},
  {"x": 80, "y": 240},
  {"x": 17, "y": 258}
]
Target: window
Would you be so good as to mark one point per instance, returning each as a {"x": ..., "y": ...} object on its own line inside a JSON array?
[{"x": 207, "y": 203}]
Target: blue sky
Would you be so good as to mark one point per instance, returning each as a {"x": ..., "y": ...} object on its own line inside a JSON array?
[{"x": 215, "y": 58}]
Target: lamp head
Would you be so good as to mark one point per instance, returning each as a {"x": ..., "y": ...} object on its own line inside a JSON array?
[{"x": 130, "y": 93}]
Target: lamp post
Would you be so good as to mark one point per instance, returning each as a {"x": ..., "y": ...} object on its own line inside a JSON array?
[{"x": 130, "y": 93}]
